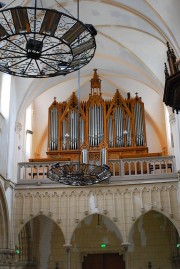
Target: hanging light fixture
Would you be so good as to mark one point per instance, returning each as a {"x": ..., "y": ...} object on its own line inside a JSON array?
[
  {"x": 37, "y": 42},
  {"x": 79, "y": 174}
]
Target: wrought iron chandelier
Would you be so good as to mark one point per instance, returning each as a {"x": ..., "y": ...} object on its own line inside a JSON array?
[
  {"x": 37, "y": 42},
  {"x": 79, "y": 174}
]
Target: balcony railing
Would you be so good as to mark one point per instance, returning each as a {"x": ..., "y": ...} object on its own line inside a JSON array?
[
  {"x": 120, "y": 167},
  {"x": 143, "y": 166}
]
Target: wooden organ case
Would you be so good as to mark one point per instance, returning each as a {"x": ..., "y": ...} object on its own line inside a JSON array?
[{"x": 106, "y": 130}]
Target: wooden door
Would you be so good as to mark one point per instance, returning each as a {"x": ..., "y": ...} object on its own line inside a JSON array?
[{"x": 103, "y": 261}]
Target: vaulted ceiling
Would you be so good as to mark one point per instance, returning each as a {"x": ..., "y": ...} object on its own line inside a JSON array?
[{"x": 130, "y": 55}]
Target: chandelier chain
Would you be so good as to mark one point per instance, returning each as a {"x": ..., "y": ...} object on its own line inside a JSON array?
[
  {"x": 64, "y": 8},
  {"x": 6, "y": 6}
]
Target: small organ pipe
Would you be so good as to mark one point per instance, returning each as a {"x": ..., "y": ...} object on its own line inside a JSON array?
[
  {"x": 89, "y": 133},
  {"x": 98, "y": 130}
]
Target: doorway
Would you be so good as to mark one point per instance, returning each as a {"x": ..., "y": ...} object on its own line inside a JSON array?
[{"x": 103, "y": 261}]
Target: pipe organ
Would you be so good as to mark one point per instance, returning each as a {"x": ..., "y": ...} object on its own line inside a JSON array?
[{"x": 97, "y": 129}]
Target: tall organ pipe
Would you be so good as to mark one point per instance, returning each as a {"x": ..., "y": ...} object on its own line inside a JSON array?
[
  {"x": 54, "y": 129},
  {"x": 139, "y": 125}
]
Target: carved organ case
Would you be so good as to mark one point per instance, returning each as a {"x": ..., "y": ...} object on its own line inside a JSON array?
[{"x": 97, "y": 129}]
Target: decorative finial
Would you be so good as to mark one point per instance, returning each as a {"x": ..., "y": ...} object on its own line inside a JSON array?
[
  {"x": 166, "y": 71},
  {"x": 95, "y": 84}
]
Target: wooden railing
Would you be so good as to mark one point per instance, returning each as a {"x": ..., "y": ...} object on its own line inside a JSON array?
[{"x": 121, "y": 167}]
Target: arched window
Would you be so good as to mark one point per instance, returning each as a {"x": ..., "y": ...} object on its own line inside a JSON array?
[
  {"x": 29, "y": 132},
  {"x": 5, "y": 95}
]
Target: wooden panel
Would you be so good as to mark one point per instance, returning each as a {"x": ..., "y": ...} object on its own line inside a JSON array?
[
  {"x": 93, "y": 261},
  {"x": 103, "y": 261}
]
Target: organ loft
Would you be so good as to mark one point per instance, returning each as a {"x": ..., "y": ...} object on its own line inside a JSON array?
[{"x": 97, "y": 130}]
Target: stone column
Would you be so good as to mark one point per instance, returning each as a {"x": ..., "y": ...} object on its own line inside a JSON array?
[
  {"x": 68, "y": 256},
  {"x": 125, "y": 247}
]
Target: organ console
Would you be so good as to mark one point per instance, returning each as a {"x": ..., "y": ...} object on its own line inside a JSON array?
[{"x": 96, "y": 130}]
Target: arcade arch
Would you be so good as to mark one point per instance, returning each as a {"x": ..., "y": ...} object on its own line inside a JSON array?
[
  {"x": 40, "y": 244},
  {"x": 154, "y": 238}
]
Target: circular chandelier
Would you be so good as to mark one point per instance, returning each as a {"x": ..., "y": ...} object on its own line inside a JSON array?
[
  {"x": 80, "y": 174},
  {"x": 38, "y": 42}
]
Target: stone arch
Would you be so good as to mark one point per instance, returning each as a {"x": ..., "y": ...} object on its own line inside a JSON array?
[
  {"x": 173, "y": 221},
  {"x": 40, "y": 242},
  {"x": 107, "y": 221},
  {"x": 36, "y": 216},
  {"x": 90, "y": 233},
  {"x": 153, "y": 233},
  {"x": 4, "y": 220}
]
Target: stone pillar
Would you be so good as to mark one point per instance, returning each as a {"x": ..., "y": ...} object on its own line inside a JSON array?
[
  {"x": 8, "y": 258},
  {"x": 18, "y": 155},
  {"x": 68, "y": 256},
  {"x": 125, "y": 247}
]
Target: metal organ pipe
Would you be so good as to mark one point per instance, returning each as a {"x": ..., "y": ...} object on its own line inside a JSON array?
[
  {"x": 116, "y": 128},
  {"x": 64, "y": 143},
  {"x": 76, "y": 130},
  {"x": 95, "y": 125},
  {"x": 51, "y": 135},
  {"x": 110, "y": 130},
  {"x": 98, "y": 130},
  {"x": 128, "y": 128},
  {"x": 82, "y": 130},
  {"x": 136, "y": 124},
  {"x": 122, "y": 128},
  {"x": 71, "y": 131},
  {"x": 90, "y": 126},
  {"x": 90, "y": 130},
  {"x": 54, "y": 129},
  {"x": 139, "y": 125}
]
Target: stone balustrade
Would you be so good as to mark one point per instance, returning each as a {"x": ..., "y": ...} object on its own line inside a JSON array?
[{"x": 119, "y": 167}]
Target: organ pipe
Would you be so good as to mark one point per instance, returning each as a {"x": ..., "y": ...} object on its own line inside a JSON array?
[{"x": 54, "y": 129}]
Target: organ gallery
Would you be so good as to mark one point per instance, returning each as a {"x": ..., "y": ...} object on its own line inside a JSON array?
[{"x": 98, "y": 129}]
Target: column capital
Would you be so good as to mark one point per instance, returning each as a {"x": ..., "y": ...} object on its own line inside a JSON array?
[
  {"x": 18, "y": 127},
  {"x": 68, "y": 247},
  {"x": 125, "y": 245}
]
